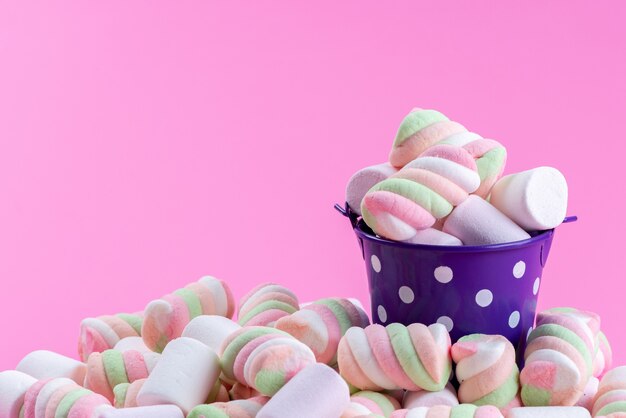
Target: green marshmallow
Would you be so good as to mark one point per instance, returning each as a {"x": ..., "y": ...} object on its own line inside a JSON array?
[{"x": 416, "y": 121}]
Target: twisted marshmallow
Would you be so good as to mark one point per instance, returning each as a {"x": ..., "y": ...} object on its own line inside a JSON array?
[
  {"x": 321, "y": 324},
  {"x": 486, "y": 370},
  {"x": 425, "y": 190},
  {"x": 244, "y": 408},
  {"x": 61, "y": 398},
  {"x": 108, "y": 369},
  {"x": 125, "y": 394},
  {"x": 418, "y": 131},
  {"x": 559, "y": 357},
  {"x": 265, "y": 304},
  {"x": 166, "y": 318},
  {"x": 610, "y": 399},
  {"x": 104, "y": 332},
  {"x": 263, "y": 358},
  {"x": 374, "y": 402},
  {"x": 396, "y": 357},
  {"x": 604, "y": 356}
]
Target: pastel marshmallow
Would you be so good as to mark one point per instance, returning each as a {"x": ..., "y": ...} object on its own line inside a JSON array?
[
  {"x": 248, "y": 408},
  {"x": 477, "y": 222},
  {"x": 396, "y": 357},
  {"x": 446, "y": 396},
  {"x": 486, "y": 370},
  {"x": 535, "y": 199},
  {"x": 589, "y": 394},
  {"x": 183, "y": 376},
  {"x": 104, "y": 332},
  {"x": 376, "y": 402},
  {"x": 418, "y": 131},
  {"x": 549, "y": 412},
  {"x": 365, "y": 179},
  {"x": 210, "y": 330},
  {"x": 132, "y": 343},
  {"x": 166, "y": 318},
  {"x": 316, "y": 391},
  {"x": 321, "y": 324},
  {"x": 265, "y": 304},
  {"x": 603, "y": 359},
  {"x": 13, "y": 388},
  {"x": 111, "y": 367},
  {"x": 38, "y": 395},
  {"x": 445, "y": 411},
  {"x": 44, "y": 364}
]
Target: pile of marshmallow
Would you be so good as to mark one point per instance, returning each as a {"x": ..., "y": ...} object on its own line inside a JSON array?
[
  {"x": 442, "y": 186},
  {"x": 183, "y": 356}
]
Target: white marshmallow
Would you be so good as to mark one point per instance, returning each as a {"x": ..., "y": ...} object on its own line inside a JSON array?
[
  {"x": 132, "y": 343},
  {"x": 210, "y": 330},
  {"x": 317, "y": 391},
  {"x": 432, "y": 236},
  {"x": 446, "y": 396},
  {"x": 462, "y": 176},
  {"x": 184, "y": 375},
  {"x": 157, "y": 411},
  {"x": 548, "y": 412},
  {"x": 476, "y": 222},
  {"x": 365, "y": 179},
  {"x": 13, "y": 387},
  {"x": 535, "y": 199},
  {"x": 43, "y": 364}
]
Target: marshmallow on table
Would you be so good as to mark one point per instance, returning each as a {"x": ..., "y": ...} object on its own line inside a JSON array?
[
  {"x": 111, "y": 367},
  {"x": 211, "y": 330},
  {"x": 535, "y": 199},
  {"x": 13, "y": 387},
  {"x": 446, "y": 396},
  {"x": 184, "y": 376},
  {"x": 43, "y": 364},
  {"x": 263, "y": 358},
  {"x": 396, "y": 357},
  {"x": 558, "y": 357},
  {"x": 165, "y": 318},
  {"x": 486, "y": 370},
  {"x": 445, "y": 411},
  {"x": 432, "y": 236},
  {"x": 418, "y": 131},
  {"x": 476, "y": 222},
  {"x": 321, "y": 324},
  {"x": 265, "y": 304},
  {"x": 245, "y": 408},
  {"x": 157, "y": 411},
  {"x": 104, "y": 332},
  {"x": 610, "y": 400},
  {"x": 317, "y": 391},
  {"x": 363, "y": 180},
  {"x": 376, "y": 402},
  {"x": 425, "y": 190},
  {"x": 549, "y": 412}
]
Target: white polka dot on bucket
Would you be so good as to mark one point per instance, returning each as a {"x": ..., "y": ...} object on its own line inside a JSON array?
[
  {"x": 443, "y": 274},
  {"x": 382, "y": 313},
  {"x": 406, "y": 294},
  {"x": 446, "y": 321},
  {"x": 514, "y": 319},
  {"x": 519, "y": 269},
  {"x": 536, "y": 285},
  {"x": 484, "y": 298},
  {"x": 375, "y": 263}
]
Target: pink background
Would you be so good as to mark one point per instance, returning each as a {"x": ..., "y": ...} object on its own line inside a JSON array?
[{"x": 145, "y": 144}]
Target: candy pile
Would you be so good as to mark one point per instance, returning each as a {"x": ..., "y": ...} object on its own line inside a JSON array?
[
  {"x": 184, "y": 356},
  {"x": 442, "y": 186}
]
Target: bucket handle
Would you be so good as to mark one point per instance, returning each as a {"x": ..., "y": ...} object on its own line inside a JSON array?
[
  {"x": 348, "y": 213},
  {"x": 569, "y": 219}
]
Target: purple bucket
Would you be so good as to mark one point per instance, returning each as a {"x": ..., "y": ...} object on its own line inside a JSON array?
[{"x": 490, "y": 289}]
